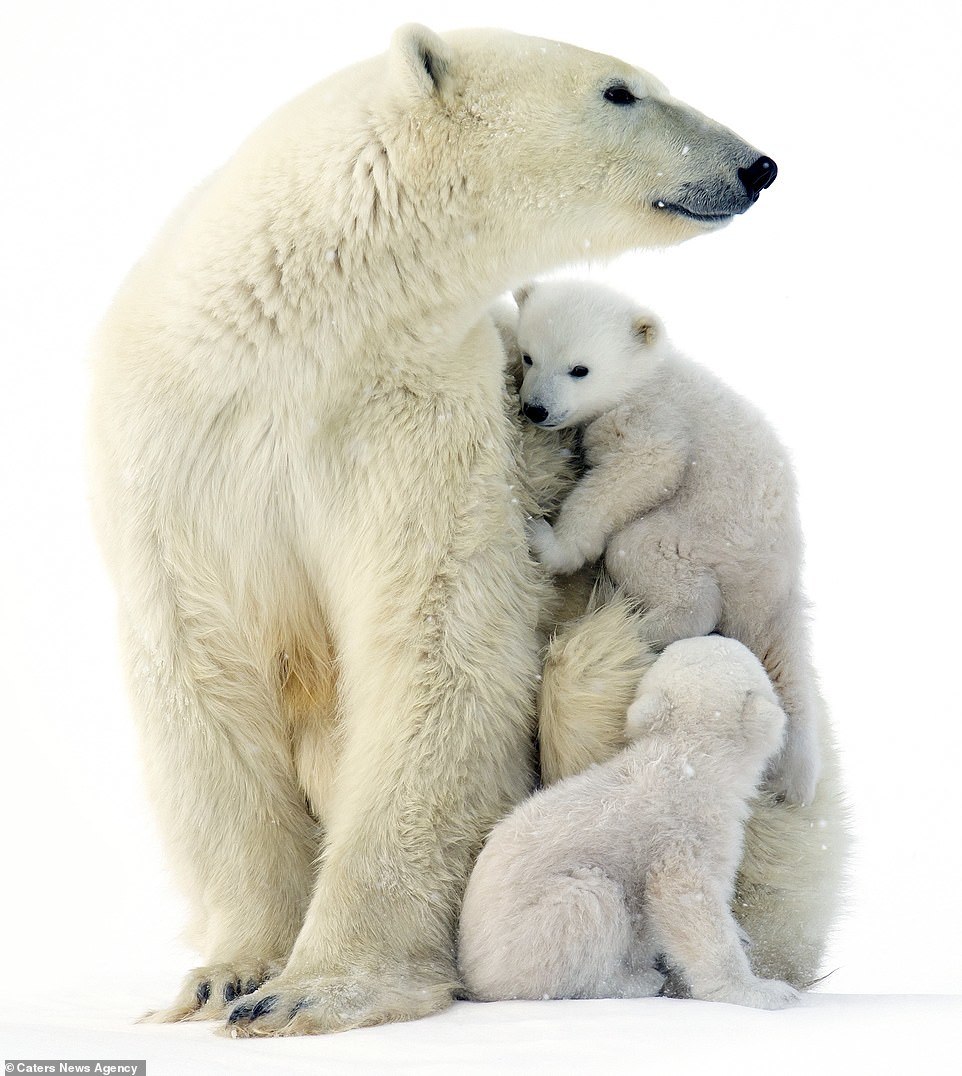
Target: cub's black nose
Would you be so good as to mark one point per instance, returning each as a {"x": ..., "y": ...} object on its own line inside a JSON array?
[
  {"x": 534, "y": 412},
  {"x": 758, "y": 176}
]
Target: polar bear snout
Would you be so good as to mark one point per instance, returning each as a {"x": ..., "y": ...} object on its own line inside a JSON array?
[
  {"x": 758, "y": 176},
  {"x": 534, "y": 412},
  {"x": 708, "y": 173},
  {"x": 717, "y": 200}
]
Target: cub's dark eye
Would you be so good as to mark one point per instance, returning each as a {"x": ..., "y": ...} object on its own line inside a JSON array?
[
  {"x": 619, "y": 94},
  {"x": 578, "y": 371},
  {"x": 526, "y": 359}
]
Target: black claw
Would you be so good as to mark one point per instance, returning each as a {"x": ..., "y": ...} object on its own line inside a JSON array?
[
  {"x": 301, "y": 1004},
  {"x": 242, "y": 1012},
  {"x": 230, "y": 991},
  {"x": 203, "y": 993},
  {"x": 252, "y": 985},
  {"x": 264, "y": 1006}
]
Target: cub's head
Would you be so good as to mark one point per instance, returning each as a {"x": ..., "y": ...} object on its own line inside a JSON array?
[
  {"x": 585, "y": 349},
  {"x": 710, "y": 691}
]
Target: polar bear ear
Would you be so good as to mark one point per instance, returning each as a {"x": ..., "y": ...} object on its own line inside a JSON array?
[
  {"x": 763, "y": 720},
  {"x": 522, "y": 294},
  {"x": 420, "y": 61},
  {"x": 647, "y": 711},
  {"x": 646, "y": 330}
]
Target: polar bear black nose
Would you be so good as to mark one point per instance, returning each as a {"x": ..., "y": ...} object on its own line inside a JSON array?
[
  {"x": 534, "y": 412},
  {"x": 758, "y": 176}
]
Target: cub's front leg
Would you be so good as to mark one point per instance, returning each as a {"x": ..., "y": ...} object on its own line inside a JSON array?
[
  {"x": 691, "y": 917},
  {"x": 560, "y": 555},
  {"x": 628, "y": 481}
]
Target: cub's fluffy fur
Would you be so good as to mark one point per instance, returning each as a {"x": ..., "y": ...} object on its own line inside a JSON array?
[
  {"x": 581, "y": 890},
  {"x": 689, "y": 494}
]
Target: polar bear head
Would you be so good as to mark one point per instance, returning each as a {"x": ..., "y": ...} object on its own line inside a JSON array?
[
  {"x": 556, "y": 151},
  {"x": 585, "y": 349},
  {"x": 713, "y": 692}
]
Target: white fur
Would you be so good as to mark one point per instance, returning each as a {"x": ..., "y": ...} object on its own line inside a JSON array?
[
  {"x": 689, "y": 494},
  {"x": 791, "y": 878},
  {"x": 305, "y": 486},
  {"x": 585, "y": 885}
]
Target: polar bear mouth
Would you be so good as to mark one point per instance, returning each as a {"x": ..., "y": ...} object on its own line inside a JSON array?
[{"x": 690, "y": 214}]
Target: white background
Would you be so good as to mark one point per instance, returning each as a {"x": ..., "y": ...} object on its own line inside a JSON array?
[{"x": 833, "y": 304}]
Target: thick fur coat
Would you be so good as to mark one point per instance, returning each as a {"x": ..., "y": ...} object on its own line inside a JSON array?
[
  {"x": 688, "y": 495},
  {"x": 587, "y": 887},
  {"x": 305, "y": 483},
  {"x": 791, "y": 880}
]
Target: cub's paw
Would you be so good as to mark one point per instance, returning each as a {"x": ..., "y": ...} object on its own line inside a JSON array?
[
  {"x": 208, "y": 992},
  {"x": 302, "y": 1006},
  {"x": 793, "y": 776},
  {"x": 554, "y": 555},
  {"x": 644, "y": 984},
  {"x": 757, "y": 993}
]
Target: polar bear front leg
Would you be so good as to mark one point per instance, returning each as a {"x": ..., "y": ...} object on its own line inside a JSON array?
[
  {"x": 219, "y": 773},
  {"x": 437, "y": 714}
]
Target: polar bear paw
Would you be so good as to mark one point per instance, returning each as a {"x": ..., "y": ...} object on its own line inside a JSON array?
[
  {"x": 208, "y": 992},
  {"x": 756, "y": 993},
  {"x": 556, "y": 556},
  {"x": 794, "y": 775},
  {"x": 301, "y": 1006}
]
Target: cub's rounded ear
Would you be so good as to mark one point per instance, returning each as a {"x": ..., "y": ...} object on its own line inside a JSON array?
[
  {"x": 647, "y": 711},
  {"x": 764, "y": 717},
  {"x": 522, "y": 294},
  {"x": 420, "y": 61},
  {"x": 646, "y": 329}
]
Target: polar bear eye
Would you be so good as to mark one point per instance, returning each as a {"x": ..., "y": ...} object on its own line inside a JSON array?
[
  {"x": 526, "y": 359},
  {"x": 578, "y": 371},
  {"x": 619, "y": 94}
]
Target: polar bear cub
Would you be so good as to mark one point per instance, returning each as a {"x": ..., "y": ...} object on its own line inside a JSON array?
[
  {"x": 688, "y": 493},
  {"x": 589, "y": 884}
]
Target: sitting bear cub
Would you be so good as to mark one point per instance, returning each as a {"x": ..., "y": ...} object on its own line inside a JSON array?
[
  {"x": 688, "y": 493},
  {"x": 587, "y": 885}
]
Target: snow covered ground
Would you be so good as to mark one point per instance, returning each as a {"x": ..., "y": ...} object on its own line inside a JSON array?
[
  {"x": 872, "y": 1035},
  {"x": 833, "y": 304}
]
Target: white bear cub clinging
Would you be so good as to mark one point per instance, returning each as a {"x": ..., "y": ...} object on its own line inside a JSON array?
[
  {"x": 688, "y": 493},
  {"x": 586, "y": 885}
]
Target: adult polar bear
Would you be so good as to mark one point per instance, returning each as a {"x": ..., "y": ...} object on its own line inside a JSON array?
[{"x": 304, "y": 486}]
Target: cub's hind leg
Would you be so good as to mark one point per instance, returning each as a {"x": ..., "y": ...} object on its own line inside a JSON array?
[
  {"x": 571, "y": 936},
  {"x": 679, "y": 598}
]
